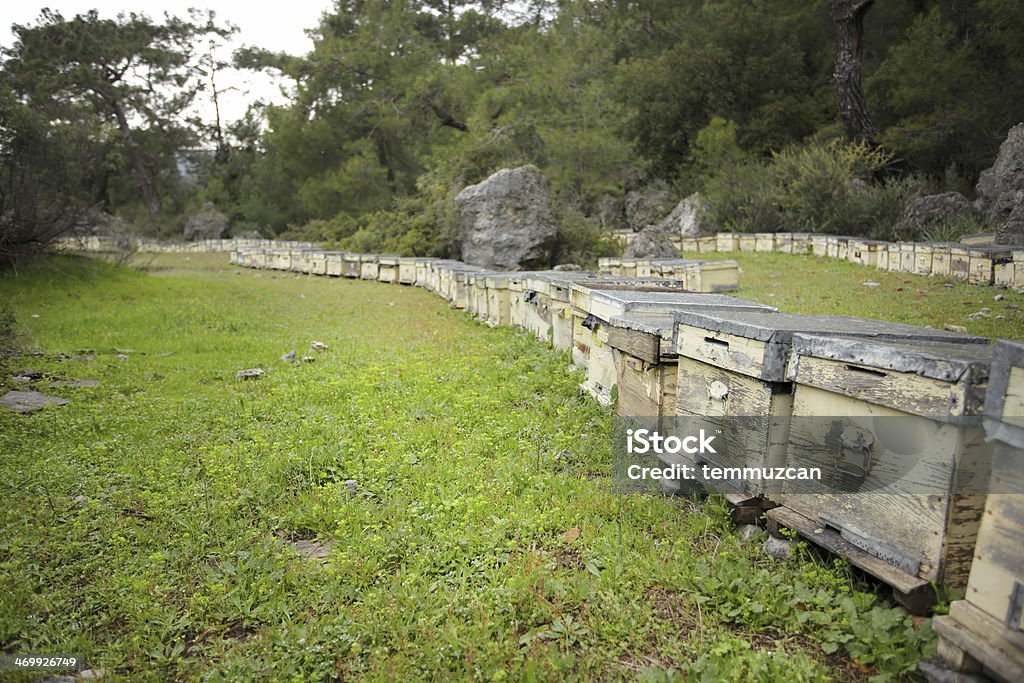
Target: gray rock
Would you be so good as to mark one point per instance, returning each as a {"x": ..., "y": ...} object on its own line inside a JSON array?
[
  {"x": 567, "y": 267},
  {"x": 251, "y": 373},
  {"x": 29, "y": 401},
  {"x": 289, "y": 357},
  {"x": 687, "y": 219},
  {"x": 352, "y": 486},
  {"x": 308, "y": 359},
  {"x": 1012, "y": 231},
  {"x": 609, "y": 211},
  {"x": 208, "y": 224},
  {"x": 314, "y": 549},
  {"x": 777, "y": 548},
  {"x": 318, "y": 346},
  {"x": 749, "y": 532},
  {"x": 81, "y": 500},
  {"x": 647, "y": 206},
  {"x": 651, "y": 243},
  {"x": 505, "y": 221},
  {"x": 934, "y": 211},
  {"x": 999, "y": 187}
]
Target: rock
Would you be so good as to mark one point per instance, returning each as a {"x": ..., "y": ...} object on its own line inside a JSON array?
[
  {"x": 289, "y": 357},
  {"x": 567, "y": 267},
  {"x": 76, "y": 383},
  {"x": 29, "y": 401},
  {"x": 609, "y": 211},
  {"x": 934, "y": 211},
  {"x": 870, "y": 284},
  {"x": 81, "y": 500},
  {"x": 505, "y": 221},
  {"x": 998, "y": 297},
  {"x": 651, "y": 243},
  {"x": 983, "y": 313},
  {"x": 955, "y": 328},
  {"x": 318, "y": 346},
  {"x": 749, "y": 532},
  {"x": 1012, "y": 231},
  {"x": 123, "y": 357},
  {"x": 647, "y": 206},
  {"x": 352, "y": 486},
  {"x": 999, "y": 187},
  {"x": 314, "y": 549},
  {"x": 687, "y": 219},
  {"x": 308, "y": 359},
  {"x": 208, "y": 224},
  {"x": 251, "y": 373},
  {"x": 778, "y": 549}
]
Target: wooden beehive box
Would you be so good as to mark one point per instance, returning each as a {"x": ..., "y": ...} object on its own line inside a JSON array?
[
  {"x": 764, "y": 241},
  {"x": 591, "y": 336},
  {"x": 983, "y": 262},
  {"x": 733, "y": 365},
  {"x": 923, "y": 253},
  {"x": 351, "y": 265},
  {"x": 892, "y": 257},
  {"x": 727, "y": 241},
  {"x": 711, "y": 276},
  {"x": 536, "y": 306},
  {"x": 864, "y": 252},
  {"x": 318, "y": 263},
  {"x": 801, "y": 243},
  {"x": 940, "y": 260},
  {"x": 407, "y": 270},
  {"x": 458, "y": 290},
  {"x": 369, "y": 266},
  {"x": 282, "y": 259},
  {"x": 440, "y": 276},
  {"x": 628, "y": 267},
  {"x": 748, "y": 242},
  {"x": 893, "y": 424},
  {"x": 334, "y": 263},
  {"x": 784, "y": 242},
  {"x": 819, "y": 245},
  {"x": 906, "y": 261},
  {"x": 302, "y": 261},
  {"x": 832, "y": 246},
  {"x": 707, "y": 244},
  {"x": 387, "y": 268},
  {"x": 959, "y": 261},
  {"x": 497, "y": 299}
]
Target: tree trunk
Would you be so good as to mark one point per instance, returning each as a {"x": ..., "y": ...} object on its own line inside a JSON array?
[
  {"x": 149, "y": 196},
  {"x": 848, "y": 16}
]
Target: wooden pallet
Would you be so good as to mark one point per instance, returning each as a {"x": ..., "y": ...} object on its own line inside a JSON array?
[
  {"x": 912, "y": 592},
  {"x": 972, "y": 642}
]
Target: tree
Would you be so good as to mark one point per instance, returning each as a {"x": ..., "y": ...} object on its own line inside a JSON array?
[
  {"x": 848, "y": 16},
  {"x": 136, "y": 73}
]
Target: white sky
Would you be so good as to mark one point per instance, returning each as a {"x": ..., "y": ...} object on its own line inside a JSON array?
[{"x": 275, "y": 26}]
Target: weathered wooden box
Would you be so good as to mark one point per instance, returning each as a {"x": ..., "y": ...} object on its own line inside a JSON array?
[
  {"x": 334, "y": 263},
  {"x": 282, "y": 260},
  {"x": 764, "y": 242},
  {"x": 594, "y": 330},
  {"x": 894, "y": 427},
  {"x": 707, "y": 244},
  {"x": 351, "y": 265},
  {"x": 959, "y": 261},
  {"x": 819, "y": 245},
  {"x": 923, "y": 254},
  {"x": 801, "y": 243},
  {"x": 984, "y": 261},
  {"x": 301, "y": 261},
  {"x": 689, "y": 244},
  {"x": 784, "y": 242},
  {"x": 748, "y": 242},
  {"x": 733, "y": 365},
  {"x": 610, "y": 265},
  {"x": 712, "y": 276},
  {"x": 906, "y": 257},
  {"x": 458, "y": 288},
  {"x": 318, "y": 263},
  {"x": 940, "y": 260},
  {"x": 727, "y": 241},
  {"x": 496, "y": 285},
  {"x": 864, "y": 252},
  {"x": 369, "y": 266},
  {"x": 387, "y": 268},
  {"x": 407, "y": 270},
  {"x": 440, "y": 275},
  {"x": 891, "y": 260}
]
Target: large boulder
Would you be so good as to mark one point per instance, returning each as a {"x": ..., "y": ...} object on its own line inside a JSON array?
[
  {"x": 208, "y": 224},
  {"x": 505, "y": 221},
  {"x": 651, "y": 243},
  {"x": 1012, "y": 231},
  {"x": 609, "y": 211},
  {"x": 647, "y": 206},
  {"x": 687, "y": 219},
  {"x": 1000, "y": 187},
  {"x": 934, "y": 211}
]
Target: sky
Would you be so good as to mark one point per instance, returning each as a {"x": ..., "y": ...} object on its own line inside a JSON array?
[{"x": 275, "y": 26}]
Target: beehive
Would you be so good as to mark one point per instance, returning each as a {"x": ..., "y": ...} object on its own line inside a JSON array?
[
  {"x": 707, "y": 244},
  {"x": 983, "y": 261},
  {"x": 605, "y": 305},
  {"x": 993, "y": 612},
  {"x": 892, "y": 259},
  {"x": 940, "y": 260},
  {"x": 317, "y": 262},
  {"x": 458, "y": 287},
  {"x": 906, "y": 262},
  {"x": 387, "y": 268},
  {"x": 801, "y": 243},
  {"x": 497, "y": 299},
  {"x": 764, "y": 241},
  {"x": 893, "y": 425},
  {"x": 727, "y": 241},
  {"x": 748, "y": 242},
  {"x": 407, "y": 270},
  {"x": 369, "y": 266},
  {"x": 711, "y": 276},
  {"x": 689, "y": 244},
  {"x": 334, "y": 263},
  {"x": 733, "y": 365},
  {"x": 864, "y": 252},
  {"x": 819, "y": 245},
  {"x": 784, "y": 242},
  {"x": 959, "y": 261},
  {"x": 351, "y": 265},
  {"x": 923, "y": 254}
]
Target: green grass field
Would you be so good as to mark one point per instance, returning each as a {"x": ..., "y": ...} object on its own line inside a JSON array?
[{"x": 151, "y": 524}]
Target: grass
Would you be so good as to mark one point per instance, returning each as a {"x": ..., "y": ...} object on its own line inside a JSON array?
[{"x": 460, "y": 481}]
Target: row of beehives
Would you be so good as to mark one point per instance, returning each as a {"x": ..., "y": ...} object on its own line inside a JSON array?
[
  {"x": 108, "y": 243},
  {"x": 669, "y": 353},
  {"x": 978, "y": 264}
]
